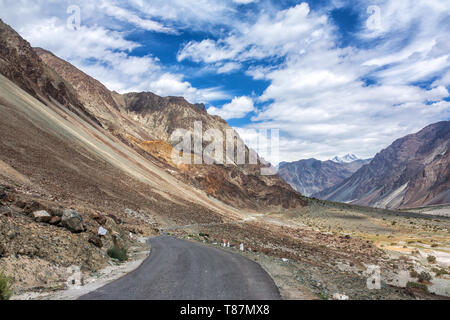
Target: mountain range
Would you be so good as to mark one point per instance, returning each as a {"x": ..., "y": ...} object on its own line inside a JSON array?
[
  {"x": 413, "y": 171},
  {"x": 346, "y": 159},
  {"x": 311, "y": 176}
]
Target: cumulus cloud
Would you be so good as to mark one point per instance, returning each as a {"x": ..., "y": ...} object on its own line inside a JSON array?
[
  {"x": 239, "y": 107},
  {"x": 271, "y": 35},
  {"x": 322, "y": 103}
]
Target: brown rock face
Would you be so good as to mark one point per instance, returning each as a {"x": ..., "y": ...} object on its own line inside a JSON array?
[
  {"x": 311, "y": 176},
  {"x": 413, "y": 171}
]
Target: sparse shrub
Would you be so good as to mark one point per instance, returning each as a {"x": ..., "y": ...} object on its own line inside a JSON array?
[
  {"x": 5, "y": 287},
  {"x": 431, "y": 259},
  {"x": 424, "y": 276},
  {"x": 434, "y": 245},
  {"x": 203, "y": 235},
  {"x": 117, "y": 253},
  {"x": 394, "y": 223},
  {"x": 414, "y": 274},
  {"x": 439, "y": 272},
  {"x": 323, "y": 295},
  {"x": 415, "y": 285}
]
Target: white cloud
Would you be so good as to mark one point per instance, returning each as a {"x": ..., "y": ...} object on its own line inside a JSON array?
[
  {"x": 245, "y": 1},
  {"x": 229, "y": 67},
  {"x": 173, "y": 85},
  {"x": 128, "y": 16},
  {"x": 199, "y": 15},
  {"x": 323, "y": 107},
  {"x": 239, "y": 107},
  {"x": 271, "y": 35}
]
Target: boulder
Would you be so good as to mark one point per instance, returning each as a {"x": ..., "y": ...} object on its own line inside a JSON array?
[
  {"x": 115, "y": 218},
  {"x": 57, "y": 212},
  {"x": 3, "y": 251},
  {"x": 3, "y": 194},
  {"x": 20, "y": 204},
  {"x": 96, "y": 241},
  {"x": 339, "y": 296},
  {"x": 72, "y": 221},
  {"x": 102, "y": 231},
  {"x": 55, "y": 220},
  {"x": 33, "y": 206},
  {"x": 41, "y": 216},
  {"x": 99, "y": 218},
  {"x": 6, "y": 211}
]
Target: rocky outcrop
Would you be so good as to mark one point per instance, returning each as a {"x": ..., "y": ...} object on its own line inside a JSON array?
[
  {"x": 414, "y": 171},
  {"x": 311, "y": 176},
  {"x": 72, "y": 221}
]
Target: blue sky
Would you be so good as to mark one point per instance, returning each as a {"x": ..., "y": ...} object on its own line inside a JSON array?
[{"x": 334, "y": 76}]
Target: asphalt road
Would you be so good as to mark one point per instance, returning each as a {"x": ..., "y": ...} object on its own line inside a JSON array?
[{"x": 183, "y": 270}]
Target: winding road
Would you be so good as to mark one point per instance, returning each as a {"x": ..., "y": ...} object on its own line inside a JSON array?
[{"x": 183, "y": 270}]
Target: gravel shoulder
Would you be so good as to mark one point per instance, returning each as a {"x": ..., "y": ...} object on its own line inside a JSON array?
[{"x": 100, "y": 279}]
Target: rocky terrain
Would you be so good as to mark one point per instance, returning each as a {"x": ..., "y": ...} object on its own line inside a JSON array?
[
  {"x": 311, "y": 176},
  {"x": 325, "y": 250},
  {"x": 83, "y": 169},
  {"x": 414, "y": 171}
]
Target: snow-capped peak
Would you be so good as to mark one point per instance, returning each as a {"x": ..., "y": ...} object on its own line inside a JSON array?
[{"x": 345, "y": 159}]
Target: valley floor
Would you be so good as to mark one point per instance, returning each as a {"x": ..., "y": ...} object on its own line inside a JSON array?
[{"x": 327, "y": 250}]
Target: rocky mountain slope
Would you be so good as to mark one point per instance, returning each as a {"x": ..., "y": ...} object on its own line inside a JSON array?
[
  {"x": 414, "y": 171},
  {"x": 141, "y": 118},
  {"x": 310, "y": 176}
]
